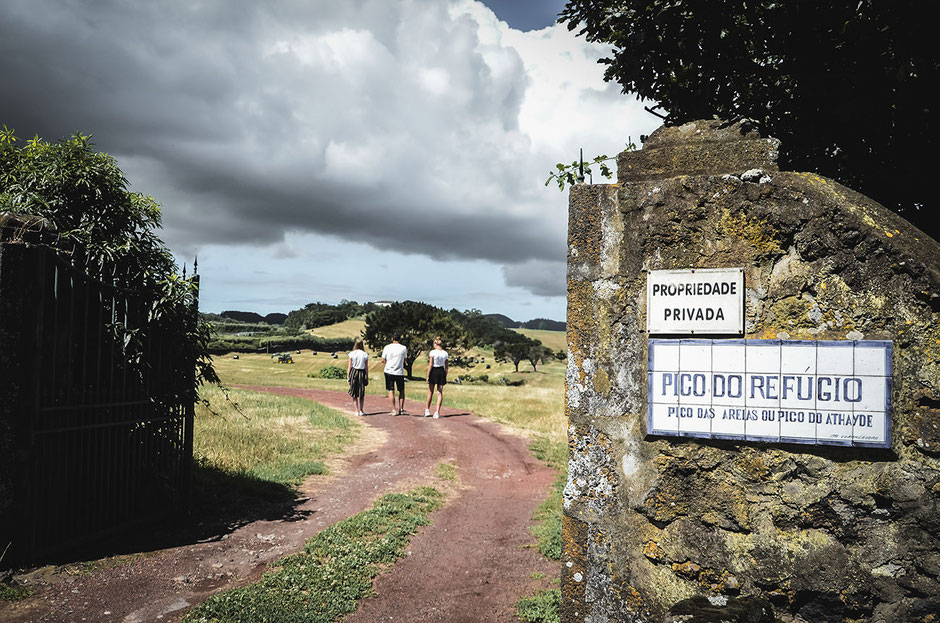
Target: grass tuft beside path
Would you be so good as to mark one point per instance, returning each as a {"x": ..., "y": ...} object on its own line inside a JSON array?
[
  {"x": 13, "y": 592},
  {"x": 334, "y": 570},
  {"x": 548, "y": 514},
  {"x": 543, "y": 607}
]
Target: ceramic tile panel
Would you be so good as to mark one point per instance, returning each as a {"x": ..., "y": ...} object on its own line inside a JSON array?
[
  {"x": 695, "y": 355},
  {"x": 824, "y": 392}
]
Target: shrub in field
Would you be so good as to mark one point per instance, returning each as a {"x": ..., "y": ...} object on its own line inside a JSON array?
[
  {"x": 469, "y": 378},
  {"x": 332, "y": 372}
]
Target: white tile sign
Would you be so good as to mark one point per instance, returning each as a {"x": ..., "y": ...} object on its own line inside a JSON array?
[
  {"x": 813, "y": 392},
  {"x": 700, "y": 300}
]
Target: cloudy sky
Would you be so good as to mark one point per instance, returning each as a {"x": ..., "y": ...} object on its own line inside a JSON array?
[{"x": 314, "y": 150}]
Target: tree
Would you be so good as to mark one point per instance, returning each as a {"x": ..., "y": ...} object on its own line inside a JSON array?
[
  {"x": 416, "y": 324},
  {"x": 480, "y": 330},
  {"x": 517, "y": 349},
  {"x": 847, "y": 85},
  {"x": 82, "y": 194},
  {"x": 537, "y": 354}
]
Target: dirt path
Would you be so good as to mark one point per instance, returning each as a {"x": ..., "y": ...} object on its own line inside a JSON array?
[{"x": 471, "y": 565}]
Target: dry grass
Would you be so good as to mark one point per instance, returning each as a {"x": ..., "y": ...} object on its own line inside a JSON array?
[
  {"x": 275, "y": 438},
  {"x": 352, "y": 327},
  {"x": 556, "y": 340}
]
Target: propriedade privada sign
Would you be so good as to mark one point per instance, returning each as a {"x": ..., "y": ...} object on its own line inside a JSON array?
[
  {"x": 699, "y": 300},
  {"x": 791, "y": 391}
]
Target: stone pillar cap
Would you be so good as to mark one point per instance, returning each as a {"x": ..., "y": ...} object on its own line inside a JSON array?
[{"x": 704, "y": 147}]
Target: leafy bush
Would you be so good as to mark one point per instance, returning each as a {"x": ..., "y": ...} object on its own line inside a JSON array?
[
  {"x": 505, "y": 380},
  {"x": 469, "y": 378},
  {"x": 332, "y": 372},
  {"x": 83, "y": 198}
]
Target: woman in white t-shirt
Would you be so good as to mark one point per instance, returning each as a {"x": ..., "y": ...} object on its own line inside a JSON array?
[
  {"x": 437, "y": 376},
  {"x": 357, "y": 373}
]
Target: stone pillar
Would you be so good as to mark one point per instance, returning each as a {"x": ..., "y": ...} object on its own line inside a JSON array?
[{"x": 824, "y": 533}]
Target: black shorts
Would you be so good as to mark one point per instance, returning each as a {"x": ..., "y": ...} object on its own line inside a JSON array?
[
  {"x": 394, "y": 380},
  {"x": 437, "y": 376}
]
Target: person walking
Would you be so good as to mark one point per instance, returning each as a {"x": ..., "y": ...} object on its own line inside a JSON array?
[
  {"x": 393, "y": 356},
  {"x": 357, "y": 373},
  {"x": 437, "y": 377}
]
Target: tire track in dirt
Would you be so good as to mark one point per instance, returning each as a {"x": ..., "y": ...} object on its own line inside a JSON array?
[{"x": 472, "y": 564}]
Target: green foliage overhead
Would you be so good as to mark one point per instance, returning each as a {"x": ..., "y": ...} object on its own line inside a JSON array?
[
  {"x": 847, "y": 85},
  {"x": 83, "y": 194},
  {"x": 417, "y": 324},
  {"x": 88, "y": 210}
]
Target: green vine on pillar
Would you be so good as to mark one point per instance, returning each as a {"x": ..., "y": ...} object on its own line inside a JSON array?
[{"x": 567, "y": 174}]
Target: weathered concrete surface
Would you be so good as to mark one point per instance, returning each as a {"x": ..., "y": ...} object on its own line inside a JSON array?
[{"x": 824, "y": 534}]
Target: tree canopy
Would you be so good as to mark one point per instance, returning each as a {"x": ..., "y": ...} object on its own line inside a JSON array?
[
  {"x": 416, "y": 324},
  {"x": 314, "y": 315},
  {"x": 846, "y": 85},
  {"x": 517, "y": 348},
  {"x": 83, "y": 195}
]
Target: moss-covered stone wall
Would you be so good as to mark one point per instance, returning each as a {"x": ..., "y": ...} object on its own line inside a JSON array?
[{"x": 823, "y": 533}]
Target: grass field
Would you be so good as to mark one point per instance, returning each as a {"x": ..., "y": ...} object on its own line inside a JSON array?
[
  {"x": 353, "y": 327},
  {"x": 535, "y": 407},
  {"x": 555, "y": 340}
]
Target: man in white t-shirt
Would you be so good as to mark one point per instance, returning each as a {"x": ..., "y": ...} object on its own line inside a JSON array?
[{"x": 393, "y": 356}]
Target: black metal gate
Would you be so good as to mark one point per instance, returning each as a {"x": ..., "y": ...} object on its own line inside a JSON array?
[{"x": 98, "y": 443}]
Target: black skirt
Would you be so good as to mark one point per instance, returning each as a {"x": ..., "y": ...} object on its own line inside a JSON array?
[
  {"x": 438, "y": 376},
  {"x": 358, "y": 379}
]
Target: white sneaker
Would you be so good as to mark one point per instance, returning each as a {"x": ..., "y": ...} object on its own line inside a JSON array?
[
  {"x": 393, "y": 412},
  {"x": 427, "y": 413},
  {"x": 358, "y": 413},
  {"x": 436, "y": 415}
]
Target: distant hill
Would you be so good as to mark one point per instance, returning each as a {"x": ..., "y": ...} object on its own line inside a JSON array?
[
  {"x": 242, "y": 316},
  {"x": 504, "y": 321},
  {"x": 542, "y": 324}
]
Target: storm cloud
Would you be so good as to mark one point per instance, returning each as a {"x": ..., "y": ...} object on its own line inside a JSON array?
[{"x": 419, "y": 127}]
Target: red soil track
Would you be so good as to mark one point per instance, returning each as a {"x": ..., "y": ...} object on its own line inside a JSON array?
[{"x": 472, "y": 564}]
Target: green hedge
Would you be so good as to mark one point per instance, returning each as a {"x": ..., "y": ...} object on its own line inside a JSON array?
[{"x": 246, "y": 344}]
